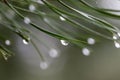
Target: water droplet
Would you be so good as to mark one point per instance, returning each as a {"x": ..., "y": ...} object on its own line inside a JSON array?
[
  {"x": 7, "y": 42},
  {"x": 91, "y": 41},
  {"x": 86, "y": 51},
  {"x": 38, "y": 1},
  {"x": 118, "y": 34},
  {"x": 86, "y": 15},
  {"x": 62, "y": 18},
  {"x": 32, "y": 7},
  {"x": 53, "y": 53},
  {"x": 117, "y": 45},
  {"x": 43, "y": 65},
  {"x": 64, "y": 42},
  {"x": 6, "y": 58},
  {"x": 25, "y": 42},
  {"x": 46, "y": 20},
  {"x": 115, "y": 37},
  {"x": 27, "y": 20}
]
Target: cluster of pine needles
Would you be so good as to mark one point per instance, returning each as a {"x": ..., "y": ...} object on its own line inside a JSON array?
[{"x": 74, "y": 21}]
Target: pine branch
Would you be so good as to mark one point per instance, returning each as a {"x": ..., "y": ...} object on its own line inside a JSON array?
[{"x": 64, "y": 13}]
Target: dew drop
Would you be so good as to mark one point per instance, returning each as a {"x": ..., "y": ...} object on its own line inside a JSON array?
[
  {"x": 27, "y": 20},
  {"x": 25, "y": 42},
  {"x": 62, "y": 18},
  {"x": 43, "y": 65},
  {"x": 91, "y": 41},
  {"x": 46, "y": 20},
  {"x": 115, "y": 37},
  {"x": 5, "y": 58},
  {"x": 32, "y": 7},
  {"x": 53, "y": 53},
  {"x": 86, "y": 51},
  {"x": 7, "y": 42},
  {"x": 86, "y": 15},
  {"x": 64, "y": 42},
  {"x": 38, "y": 1},
  {"x": 117, "y": 45},
  {"x": 118, "y": 34}
]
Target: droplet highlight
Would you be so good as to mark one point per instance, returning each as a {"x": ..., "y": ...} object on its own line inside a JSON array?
[
  {"x": 38, "y": 1},
  {"x": 115, "y": 37},
  {"x": 62, "y": 18},
  {"x": 43, "y": 65},
  {"x": 85, "y": 51},
  {"x": 25, "y": 42},
  {"x": 64, "y": 42},
  {"x": 117, "y": 44},
  {"x": 118, "y": 34},
  {"x": 91, "y": 41},
  {"x": 27, "y": 20},
  {"x": 32, "y": 8},
  {"x": 7, "y": 42},
  {"x": 53, "y": 53}
]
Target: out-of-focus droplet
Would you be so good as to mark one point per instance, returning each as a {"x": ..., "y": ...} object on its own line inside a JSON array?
[
  {"x": 53, "y": 53},
  {"x": 7, "y": 42},
  {"x": 46, "y": 20},
  {"x": 6, "y": 58},
  {"x": 32, "y": 7},
  {"x": 91, "y": 41},
  {"x": 43, "y": 65},
  {"x": 27, "y": 20},
  {"x": 117, "y": 45},
  {"x": 64, "y": 42},
  {"x": 85, "y": 51},
  {"x": 118, "y": 34},
  {"x": 115, "y": 37}
]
